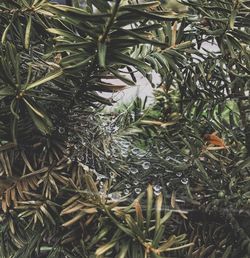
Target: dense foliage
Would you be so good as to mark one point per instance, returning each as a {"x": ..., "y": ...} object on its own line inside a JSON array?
[{"x": 166, "y": 180}]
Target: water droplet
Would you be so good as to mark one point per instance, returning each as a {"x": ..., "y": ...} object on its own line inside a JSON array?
[
  {"x": 135, "y": 151},
  {"x": 141, "y": 154},
  {"x": 167, "y": 158},
  {"x": 157, "y": 193},
  {"x": 146, "y": 165},
  {"x": 126, "y": 191},
  {"x": 157, "y": 188},
  {"x": 124, "y": 154},
  {"x": 125, "y": 144},
  {"x": 108, "y": 153},
  {"x": 184, "y": 180},
  {"x": 136, "y": 182},
  {"x": 134, "y": 171},
  {"x": 100, "y": 177},
  {"x": 137, "y": 190},
  {"x": 116, "y": 196},
  {"x": 179, "y": 174},
  {"x": 124, "y": 149},
  {"x": 128, "y": 186}
]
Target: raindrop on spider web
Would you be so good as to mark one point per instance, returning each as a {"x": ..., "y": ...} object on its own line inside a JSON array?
[
  {"x": 124, "y": 154},
  {"x": 128, "y": 186},
  {"x": 125, "y": 144},
  {"x": 137, "y": 190},
  {"x": 135, "y": 151},
  {"x": 134, "y": 171},
  {"x": 146, "y": 165},
  {"x": 136, "y": 182},
  {"x": 157, "y": 193},
  {"x": 126, "y": 191},
  {"x": 141, "y": 154},
  {"x": 157, "y": 188},
  {"x": 184, "y": 180},
  {"x": 116, "y": 196},
  {"x": 179, "y": 174}
]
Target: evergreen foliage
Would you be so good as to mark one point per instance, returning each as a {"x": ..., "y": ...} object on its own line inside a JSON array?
[{"x": 166, "y": 180}]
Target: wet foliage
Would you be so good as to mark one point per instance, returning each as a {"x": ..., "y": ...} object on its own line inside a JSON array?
[{"x": 168, "y": 179}]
